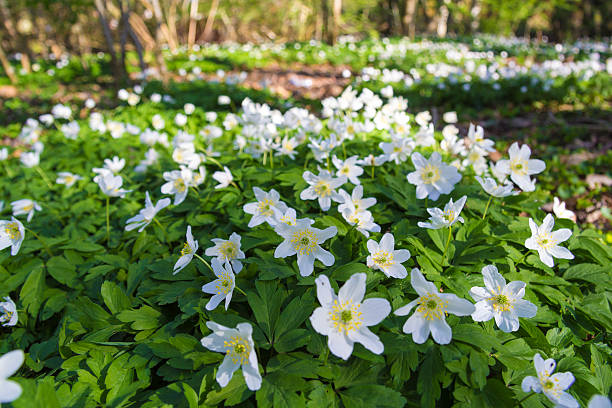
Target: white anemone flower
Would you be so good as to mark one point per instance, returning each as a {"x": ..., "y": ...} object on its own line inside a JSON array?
[
  {"x": 432, "y": 176},
  {"x": 224, "y": 178},
  {"x": 501, "y": 301},
  {"x": 239, "y": 349},
  {"x": 68, "y": 179},
  {"x": 11, "y": 235},
  {"x": 9, "y": 364},
  {"x": 145, "y": 216},
  {"x": 187, "y": 253},
  {"x": 356, "y": 198},
  {"x": 561, "y": 212},
  {"x": 323, "y": 188},
  {"x": 222, "y": 287},
  {"x": 30, "y": 159},
  {"x": 552, "y": 385},
  {"x": 268, "y": 208},
  {"x": 431, "y": 310},
  {"x": 363, "y": 220},
  {"x": 8, "y": 312},
  {"x": 348, "y": 168},
  {"x": 384, "y": 257},
  {"x": 25, "y": 206},
  {"x": 111, "y": 185},
  {"x": 476, "y": 137},
  {"x": 600, "y": 401},
  {"x": 520, "y": 167},
  {"x": 546, "y": 242},
  {"x": 178, "y": 182},
  {"x": 490, "y": 186},
  {"x": 304, "y": 240},
  {"x": 345, "y": 318},
  {"x": 227, "y": 250},
  {"x": 289, "y": 217},
  {"x": 444, "y": 219}
]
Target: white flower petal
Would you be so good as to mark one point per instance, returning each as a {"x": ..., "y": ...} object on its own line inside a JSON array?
[
  {"x": 368, "y": 339},
  {"x": 353, "y": 289},
  {"x": 226, "y": 370},
  {"x": 374, "y": 310},
  {"x": 340, "y": 345},
  {"x": 440, "y": 331}
]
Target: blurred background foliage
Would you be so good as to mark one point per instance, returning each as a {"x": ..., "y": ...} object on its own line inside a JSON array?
[{"x": 44, "y": 27}]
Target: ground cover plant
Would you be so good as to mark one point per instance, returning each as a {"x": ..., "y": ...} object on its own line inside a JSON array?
[{"x": 164, "y": 254}]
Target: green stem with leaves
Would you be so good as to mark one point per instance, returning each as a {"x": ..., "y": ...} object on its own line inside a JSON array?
[
  {"x": 44, "y": 244},
  {"x": 107, "y": 219},
  {"x": 240, "y": 290},
  {"x": 204, "y": 262},
  {"x": 450, "y": 232},
  {"x": 487, "y": 207},
  {"x": 525, "y": 398},
  {"x": 43, "y": 175}
]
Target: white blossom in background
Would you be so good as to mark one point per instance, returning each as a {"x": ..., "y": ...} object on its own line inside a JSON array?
[
  {"x": 476, "y": 138},
  {"x": 385, "y": 257},
  {"x": 146, "y": 215},
  {"x": 30, "y": 159},
  {"x": 304, "y": 240},
  {"x": 68, "y": 179},
  {"x": 600, "y": 401},
  {"x": 322, "y": 188},
  {"x": 8, "y": 312},
  {"x": 561, "y": 212},
  {"x": 344, "y": 318},
  {"x": 177, "y": 183},
  {"x": 268, "y": 208},
  {"x": 552, "y": 385},
  {"x": 180, "y": 119},
  {"x": 189, "y": 249},
  {"x": 224, "y": 178},
  {"x": 70, "y": 130},
  {"x": 289, "y": 217},
  {"x": 189, "y": 108},
  {"x": 501, "y": 301},
  {"x": 158, "y": 122},
  {"x": 356, "y": 199},
  {"x": 490, "y": 186},
  {"x": 60, "y": 111},
  {"x": 450, "y": 117},
  {"x": 11, "y": 235},
  {"x": 224, "y": 100},
  {"x": 519, "y": 167},
  {"x": 398, "y": 149},
  {"x": 9, "y": 364},
  {"x": 444, "y": 219},
  {"x": 361, "y": 219},
  {"x": 431, "y": 310},
  {"x": 111, "y": 185},
  {"x": 25, "y": 206},
  {"x": 227, "y": 250},
  {"x": 432, "y": 176},
  {"x": 348, "y": 168},
  {"x": 222, "y": 287},
  {"x": 546, "y": 242}
]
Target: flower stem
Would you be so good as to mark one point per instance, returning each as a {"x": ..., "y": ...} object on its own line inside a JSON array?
[
  {"x": 487, "y": 207},
  {"x": 204, "y": 261},
  {"x": 271, "y": 160},
  {"x": 44, "y": 244},
  {"x": 240, "y": 290},
  {"x": 344, "y": 151},
  {"x": 450, "y": 231},
  {"x": 237, "y": 188},
  {"x": 373, "y": 171},
  {"x": 522, "y": 258},
  {"x": 107, "y": 220},
  {"x": 328, "y": 169},
  {"x": 44, "y": 176}
]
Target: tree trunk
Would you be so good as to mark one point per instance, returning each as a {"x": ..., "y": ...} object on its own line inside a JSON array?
[
  {"x": 191, "y": 35},
  {"x": 325, "y": 32},
  {"x": 337, "y": 14},
  {"x": 8, "y": 68},
  {"x": 212, "y": 13},
  {"x": 101, "y": 9},
  {"x": 410, "y": 18}
]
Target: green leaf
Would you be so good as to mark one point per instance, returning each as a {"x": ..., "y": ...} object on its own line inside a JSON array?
[
  {"x": 114, "y": 297},
  {"x": 365, "y": 396},
  {"x": 61, "y": 270},
  {"x": 31, "y": 294}
]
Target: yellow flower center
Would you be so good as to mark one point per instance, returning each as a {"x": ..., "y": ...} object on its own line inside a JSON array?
[
  {"x": 545, "y": 241},
  {"x": 12, "y": 230},
  {"x": 430, "y": 174},
  {"x": 225, "y": 283},
  {"x": 449, "y": 215},
  {"x": 186, "y": 249},
  {"x": 501, "y": 303},
  {"x": 6, "y": 317},
  {"x": 549, "y": 384},
  {"x": 305, "y": 241},
  {"x": 346, "y": 316},
  {"x": 238, "y": 349},
  {"x": 228, "y": 250},
  {"x": 383, "y": 259},
  {"x": 322, "y": 188},
  {"x": 179, "y": 185},
  {"x": 518, "y": 166},
  {"x": 264, "y": 208},
  {"x": 432, "y": 307}
]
